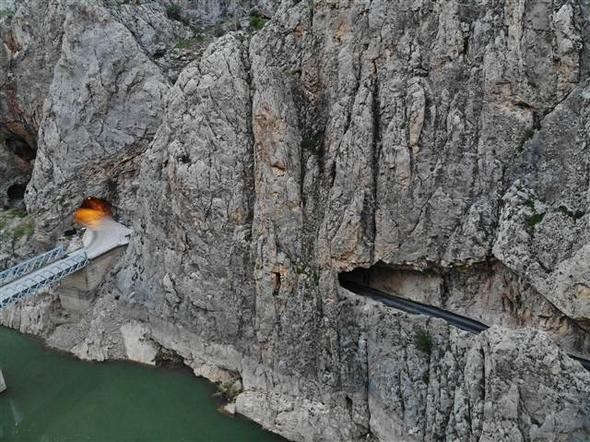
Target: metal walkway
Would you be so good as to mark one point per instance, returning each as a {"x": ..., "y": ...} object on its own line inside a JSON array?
[
  {"x": 31, "y": 265},
  {"x": 49, "y": 268},
  {"x": 42, "y": 278}
]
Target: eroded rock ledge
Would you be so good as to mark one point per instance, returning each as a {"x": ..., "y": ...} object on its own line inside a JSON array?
[
  {"x": 401, "y": 377},
  {"x": 431, "y": 136}
]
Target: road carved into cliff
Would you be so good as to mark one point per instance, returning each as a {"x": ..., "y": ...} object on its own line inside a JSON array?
[{"x": 417, "y": 308}]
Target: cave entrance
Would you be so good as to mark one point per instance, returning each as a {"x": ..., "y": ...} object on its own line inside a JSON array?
[
  {"x": 17, "y": 156},
  {"x": 423, "y": 286},
  {"x": 93, "y": 211},
  {"x": 15, "y": 193}
]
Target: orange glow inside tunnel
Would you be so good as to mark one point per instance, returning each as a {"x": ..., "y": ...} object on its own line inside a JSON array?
[{"x": 93, "y": 212}]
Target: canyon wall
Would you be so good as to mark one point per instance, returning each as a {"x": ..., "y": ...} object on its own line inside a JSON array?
[{"x": 445, "y": 142}]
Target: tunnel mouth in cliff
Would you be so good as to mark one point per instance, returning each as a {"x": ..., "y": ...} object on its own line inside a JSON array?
[
  {"x": 487, "y": 292},
  {"x": 386, "y": 278},
  {"x": 93, "y": 211}
]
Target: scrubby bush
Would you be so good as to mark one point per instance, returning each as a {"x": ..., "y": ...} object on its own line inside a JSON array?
[
  {"x": 424, "y": 341},
  {"x": 257, "y": 21},
  {"x": 174, "y": 12}
]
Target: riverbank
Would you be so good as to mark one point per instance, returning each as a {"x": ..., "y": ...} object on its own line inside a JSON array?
[{"x": 54, "y": 396}]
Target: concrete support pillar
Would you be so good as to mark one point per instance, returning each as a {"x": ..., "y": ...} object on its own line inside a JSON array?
[{"x": 77, "y": 291}]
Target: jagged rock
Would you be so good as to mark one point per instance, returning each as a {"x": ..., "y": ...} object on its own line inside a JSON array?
[
  {"x": 137, "y": 344},
  {"x": 497, "y": 386},
  {"x": 215, "y": 12},
  {"x": 230, "y": 408},
  {"x": 2, "y": 383},
  {"x": 434, "y": 138},
  {"x": 103, "y": 107}
]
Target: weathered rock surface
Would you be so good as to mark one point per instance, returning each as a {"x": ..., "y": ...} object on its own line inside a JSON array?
[
  {"x": 488, "y": 292},
  {"x": 493, "y": 387},
  {"x": 2, "y": 383},
  {"x": 446, "y": 141},
  {"x": 103, "y": 106}
]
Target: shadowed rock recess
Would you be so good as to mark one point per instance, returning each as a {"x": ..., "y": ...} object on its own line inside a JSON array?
[{"x": 259, "y": 149}]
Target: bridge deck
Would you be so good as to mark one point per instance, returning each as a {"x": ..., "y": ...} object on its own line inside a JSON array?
[
  {"x": 48, "y": 269},
  {"x": 30, "y": 265},
  {"x": 40, "y": 279}
]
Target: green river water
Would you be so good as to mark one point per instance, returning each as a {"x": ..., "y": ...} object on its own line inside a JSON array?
[{"x": 53, "y": 397}]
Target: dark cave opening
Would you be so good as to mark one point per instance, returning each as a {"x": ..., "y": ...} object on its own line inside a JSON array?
[
  {"x": 359, "y": 275},
  {"x": 19, "y": 147},
  {"x": 16, "y": 193},
  {"x": 19, "y": 155},
  {"x": 428, "y": 286}
]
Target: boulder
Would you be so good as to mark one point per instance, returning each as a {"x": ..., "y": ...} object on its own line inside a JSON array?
[{"x": 2, "y": 383}]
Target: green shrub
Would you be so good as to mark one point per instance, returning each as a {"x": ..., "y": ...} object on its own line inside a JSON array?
[
  {"x": 230, "y": 389},
  {"x": 11, "y": 214},
  {"x": 174, "y": 12},
  {"x": 183, "y": 44},
  {"x": 257, "y": 21},
  {"x": 535, "y": 219},
  {"x": 424, "y": 341},
  {"x": 190, "y": 42},
  {"x": 15, "y": 213},
  {"x": 198, "y": 33}
]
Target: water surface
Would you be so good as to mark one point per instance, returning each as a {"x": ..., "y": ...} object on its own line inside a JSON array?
[{"x": 54, "y": 397}]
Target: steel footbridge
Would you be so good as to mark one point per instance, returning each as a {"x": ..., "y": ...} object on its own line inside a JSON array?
[{"x": 48, "y": 269}]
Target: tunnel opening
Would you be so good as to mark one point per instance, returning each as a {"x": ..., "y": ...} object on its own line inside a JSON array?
[
  {"x": 486, "y": 292},
  {"x": 94, "y": 203},
  {"x": 359, "y": 275},
  {"x": 397, "y": 280},
  {"x": 92, "y": 211},
  {"x": 458, "y": 289}
]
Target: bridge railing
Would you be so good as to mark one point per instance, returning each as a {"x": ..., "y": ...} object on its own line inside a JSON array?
[
  {"x": 31, "y": 265},
  {"x": 42, "y": 279}
]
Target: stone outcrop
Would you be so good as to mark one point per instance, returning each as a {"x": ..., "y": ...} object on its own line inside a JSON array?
[
  {"x": 2, "y": 383},
  {"x": 488, "y": 292},
  {"x": 443, "y": 140}
]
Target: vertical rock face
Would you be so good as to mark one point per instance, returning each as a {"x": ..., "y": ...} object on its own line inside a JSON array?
[
  {"x": 494, "y": 399},
  {"x": 433, "y": 139},
  {"x": 197, "y": 179},
  {"x": 102, "y": 109}
]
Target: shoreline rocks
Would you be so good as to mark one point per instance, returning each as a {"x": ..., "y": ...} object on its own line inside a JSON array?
[{"x": 2, "y": 383}]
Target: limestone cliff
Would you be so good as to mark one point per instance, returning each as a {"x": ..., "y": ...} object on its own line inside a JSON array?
[{"x": 261, "y": 148}]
